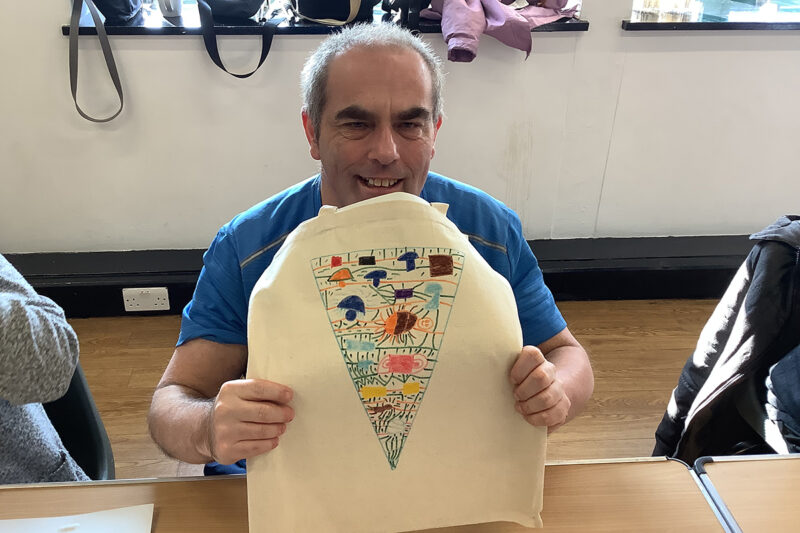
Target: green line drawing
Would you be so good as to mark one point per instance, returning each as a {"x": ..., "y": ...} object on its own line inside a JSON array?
[{"x": 389, "y": 328}]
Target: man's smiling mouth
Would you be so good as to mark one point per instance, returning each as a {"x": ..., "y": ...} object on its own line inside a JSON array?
[{"x": 379, "y": 182}]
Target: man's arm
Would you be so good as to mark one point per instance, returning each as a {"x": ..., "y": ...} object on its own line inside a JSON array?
[
  {"x": 202, "y": 410},
  {"x": 552, "y": 382},
  {"x": 38, "y": 348}
]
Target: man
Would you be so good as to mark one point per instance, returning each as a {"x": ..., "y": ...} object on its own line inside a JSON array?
[
  {"x": 371, "y": 112},
  {"x": 38, "y": 355}
]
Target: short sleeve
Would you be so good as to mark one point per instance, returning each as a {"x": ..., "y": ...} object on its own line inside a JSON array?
[
  {"x": 538, "y": 314},
  {"x": 218, "y": 309}
]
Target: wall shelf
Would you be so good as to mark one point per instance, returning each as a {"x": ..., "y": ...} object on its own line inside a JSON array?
[
  {"x": 153, "y": 23},
  {"x": 627, "y": 25}
]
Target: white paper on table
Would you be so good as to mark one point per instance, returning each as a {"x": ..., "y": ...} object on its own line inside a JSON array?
[{"x": 136, "y": 519}]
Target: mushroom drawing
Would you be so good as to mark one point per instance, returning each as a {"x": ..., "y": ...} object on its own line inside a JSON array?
[
  {"x": 352, "y": 305},
  {"x": 341, "y": 275},
  {"x": 434, "y": 290},
  {"x": 376, "y": 276},
  {"x": 410, "y": 258}
]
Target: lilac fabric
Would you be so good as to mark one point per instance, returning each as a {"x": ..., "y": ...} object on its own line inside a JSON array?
[{"x": 463, "y": 22}]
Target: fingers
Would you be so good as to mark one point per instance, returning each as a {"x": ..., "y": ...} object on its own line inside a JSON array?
[
  {"x": 260, "y": 390},
  {"x": 251, "y": 400},
  {"x": 249, "y": 431},
  {"x": 247, "y": 419},
  {"x": 232, "y": 439},
  {"x": 264, "y": 412},
  {"x": 529, "y": 358},
  {"x": 250, "y": 448},
  {"x": 540, "y": 374},
  {"x": 551, "y": 418},
  {"x": 541, "y": 398}
]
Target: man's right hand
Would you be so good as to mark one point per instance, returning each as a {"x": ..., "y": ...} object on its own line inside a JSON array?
[
  {"x": 203, "y": 411},
  {"x": 247, "y": 419}
]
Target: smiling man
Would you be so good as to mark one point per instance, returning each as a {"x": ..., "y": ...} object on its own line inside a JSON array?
[
  {"x": 375, "y": 127},
  {"x": 371, "y": 112}
]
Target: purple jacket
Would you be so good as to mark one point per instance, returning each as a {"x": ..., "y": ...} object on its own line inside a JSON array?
[{"x": 463, "y": 21}]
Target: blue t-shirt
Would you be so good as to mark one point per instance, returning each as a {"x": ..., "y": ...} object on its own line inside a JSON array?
[{"x": 244, "y": 248}]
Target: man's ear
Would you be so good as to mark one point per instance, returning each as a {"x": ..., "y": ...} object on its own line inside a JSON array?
[
  {"x": 311, "y": 135},
  {"x": 435, "y": 132}
]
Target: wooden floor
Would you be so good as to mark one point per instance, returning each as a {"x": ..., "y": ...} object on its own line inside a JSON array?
[{"x": 637, "y": 350}]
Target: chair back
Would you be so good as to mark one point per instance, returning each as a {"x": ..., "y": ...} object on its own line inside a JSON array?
[{"x": 81, "y": 429}]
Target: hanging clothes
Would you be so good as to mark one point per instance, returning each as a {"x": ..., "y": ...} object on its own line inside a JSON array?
[{"x": 463, "y": 22}]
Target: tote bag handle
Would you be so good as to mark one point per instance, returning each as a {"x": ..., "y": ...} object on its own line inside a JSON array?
[
  {"x": 210, "y": 39},
  {"x": 73, "y": 57}
]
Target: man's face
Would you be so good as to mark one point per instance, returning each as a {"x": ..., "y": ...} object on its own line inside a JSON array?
[{"x": 377, "y": 132}]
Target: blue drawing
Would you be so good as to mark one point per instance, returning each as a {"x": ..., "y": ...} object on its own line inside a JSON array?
[
  {"x": 359, "y": 346},
  {"x": 353, "y": 305},
  {"x": 376, "y": 276},
  {"x": 410, "y": 258},
  {"x": 434, "y": 290}
]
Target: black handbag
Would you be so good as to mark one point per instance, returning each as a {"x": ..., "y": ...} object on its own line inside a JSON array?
[
  {"x": 228, "y": 11},
  {"x": 235, "y": 9},
  {"x": 119, "y": 12},
  {"x": 334, "y": 13}
]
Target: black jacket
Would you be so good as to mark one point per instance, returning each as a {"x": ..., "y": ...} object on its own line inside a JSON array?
[{"x": 756, "y": 322}]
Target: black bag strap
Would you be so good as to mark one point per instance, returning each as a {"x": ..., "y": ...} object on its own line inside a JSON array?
[
  {"x": 210, "y": 38},
  {"x": 73, "y": 56}
]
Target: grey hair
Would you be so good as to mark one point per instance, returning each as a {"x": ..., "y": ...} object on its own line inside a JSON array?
[{"x": 314, "y": 77}]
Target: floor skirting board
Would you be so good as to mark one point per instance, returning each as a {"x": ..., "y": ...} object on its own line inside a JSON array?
[{"x": 89, "y": 284}]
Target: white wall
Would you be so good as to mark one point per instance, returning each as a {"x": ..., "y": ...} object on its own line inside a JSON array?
[{"x": 605, "y": 133}]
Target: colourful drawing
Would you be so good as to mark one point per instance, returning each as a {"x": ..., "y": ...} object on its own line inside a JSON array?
[{"x": 388, "y": 309}]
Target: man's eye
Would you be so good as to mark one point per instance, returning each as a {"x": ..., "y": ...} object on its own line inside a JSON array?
[
  {"x": 410, "y": 130},
  {"x": 355, "y": 125}
]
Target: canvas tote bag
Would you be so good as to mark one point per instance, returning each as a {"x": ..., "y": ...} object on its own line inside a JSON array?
[{"x": 397, "y": 338}]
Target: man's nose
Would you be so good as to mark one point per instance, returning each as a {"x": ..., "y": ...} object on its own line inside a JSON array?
[{"x": 383, "y": 148}]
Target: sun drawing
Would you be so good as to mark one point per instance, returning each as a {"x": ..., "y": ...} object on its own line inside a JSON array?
[{"x": 399, "y": 326}]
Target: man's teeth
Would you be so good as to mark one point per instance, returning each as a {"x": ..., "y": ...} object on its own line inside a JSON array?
[{"x": 380, "y": 183}]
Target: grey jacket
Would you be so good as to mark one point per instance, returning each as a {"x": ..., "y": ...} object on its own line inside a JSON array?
[{"x": 38, "y": 355}]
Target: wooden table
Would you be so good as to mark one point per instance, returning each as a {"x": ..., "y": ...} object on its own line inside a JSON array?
[
  {"x": 633, "y": 495},
  {"x": 759, "y": 491}
]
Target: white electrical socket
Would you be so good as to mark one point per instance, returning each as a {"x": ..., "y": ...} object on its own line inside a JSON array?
[{"x": 146, "y": 299}]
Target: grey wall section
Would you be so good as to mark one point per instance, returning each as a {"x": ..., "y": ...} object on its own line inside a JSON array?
[{"x": 597, "y": 134}]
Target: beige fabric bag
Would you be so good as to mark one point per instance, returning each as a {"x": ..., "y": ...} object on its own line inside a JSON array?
[{"x": 397, "y": 338}]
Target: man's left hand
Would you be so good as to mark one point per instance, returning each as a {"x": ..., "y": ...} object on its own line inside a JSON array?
[{"x": 540, "y": 395}]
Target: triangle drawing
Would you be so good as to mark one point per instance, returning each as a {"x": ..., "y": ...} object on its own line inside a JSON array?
[{"x": 388, "y": 309}]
